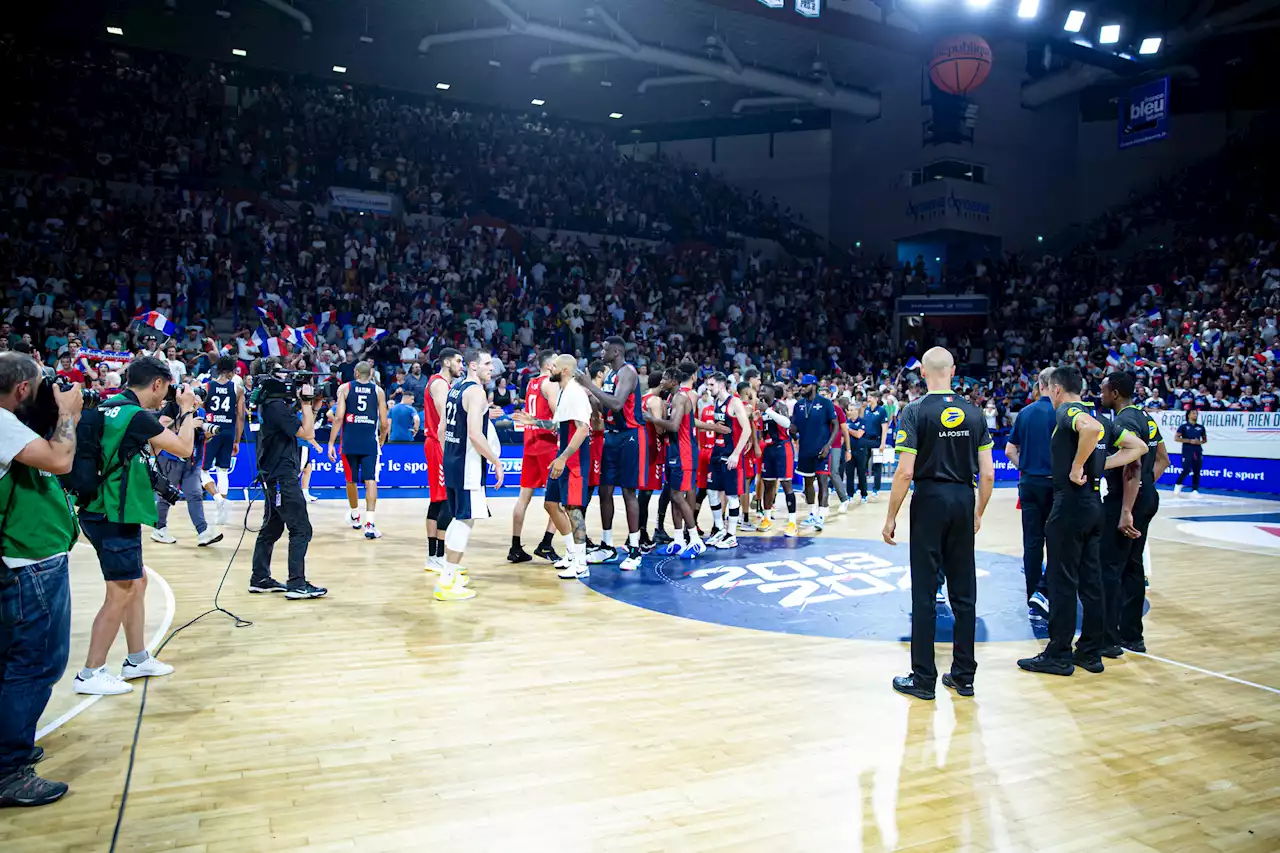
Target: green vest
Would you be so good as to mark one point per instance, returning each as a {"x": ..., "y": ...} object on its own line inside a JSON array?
[
  {"x": 125, "y": 495},
  {"x": 37, "y": 518}
]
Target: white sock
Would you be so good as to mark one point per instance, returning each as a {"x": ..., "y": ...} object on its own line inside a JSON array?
[
  {"x": 448, "y": 574},
  {"x": 768, "y": 513},
  {"x": 717, "y": 517},
  {"x": 694, "y": 538},
  {"x": 791, "y": 518},
  {"x": 606, "y": 538},
  {"x": 733, "y": 524},
  {"x": 822, "y": 513},
  {"x": 567, "y": 539},
  {"x": 355, "y": 513},
  {"x": 633, "y": 540},
  {"x": 368, "y": 517}
]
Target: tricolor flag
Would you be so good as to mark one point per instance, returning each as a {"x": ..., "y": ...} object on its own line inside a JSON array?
[
  {"x": 327, "y": 319},
  {"x": 1153, "y": 316},
  {"x": 264, "y": 313},
  {"x": 913, "y": 363},
  {"x": 1196, "y": 349},
  {"x": 267, "y": 344},
  {"x": 1154, "y": 289},
  {"x": 299, "y": 337},
  {"x": 1113, "y": 358},
  {"x": 1265, "y": 357},
  {"x": 159, "y": 322},
  {"x": 373, "y": 335}
]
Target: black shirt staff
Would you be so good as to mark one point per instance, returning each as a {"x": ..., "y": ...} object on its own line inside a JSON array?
[{"x": 943, "y": 447}]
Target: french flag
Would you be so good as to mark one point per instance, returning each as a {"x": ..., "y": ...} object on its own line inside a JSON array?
[
  {"x": 1265, "y": 357},
  {"x": 299, "y": 337},
  {"x": 1196, "y": 349},
  {"x": 913, "y": 363},
  {"x": 1153, "y": 316},
  {"x": 267, "y": 344},
  {"x": 264, "y": 313},
  {"x": 1113, "y": 359},
  {"x": 159, "y": 322},
  {"x": 327, "y": 319},
  {"x": 1154, "y": 289},
  {"x": 373, "y": 335}
]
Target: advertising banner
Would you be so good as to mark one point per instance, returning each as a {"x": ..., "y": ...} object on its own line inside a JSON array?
[
  {"x": 943, "y": 305},
  {"x": 1252, "y": 435},
  {"x": 349, "y": 199},
  {"x": 809, "y": 8},
  {"x": 1144, "y": 113}
]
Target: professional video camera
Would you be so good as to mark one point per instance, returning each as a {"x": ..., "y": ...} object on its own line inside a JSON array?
[
  {"x": 284, "y": 385},
  {"x": 42, "y": 415}
]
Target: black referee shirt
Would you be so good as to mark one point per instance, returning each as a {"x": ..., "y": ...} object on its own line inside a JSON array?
[
  {"x": 1144, "y": 426},
  {"x": 1062, "y": 450},
  {"x": 945, "y": 432}
]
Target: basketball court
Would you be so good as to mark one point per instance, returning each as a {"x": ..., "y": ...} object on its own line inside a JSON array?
[{"x": 737, "y": 702}]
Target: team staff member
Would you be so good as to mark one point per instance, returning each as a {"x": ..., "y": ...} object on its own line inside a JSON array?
[
  {"x": 875, "y": 420},
  {"x": 1028, "y": 451},
  {"x": 1193, "y": 437},
  {"x": 35, "y": 593},
  {"x": 361, "y": 423},
  {"x": 404, "y": 417},
  {"x": 1078, "y": 457},
  {"x": 817, "y": 429},
  {"x": 539, "y": 451},
  {"x": 943, "y": 446},
  {"x": 1129, "y": 510},
  {"x": 859, "y": 451}
]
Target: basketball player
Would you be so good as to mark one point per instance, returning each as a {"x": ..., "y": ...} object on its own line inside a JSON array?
[
  {"x": 361, "y": 422},
  {"x": 752, "y": 377},
  {"x": 728, "y": 480},
  {"x": 816, "y": 427},
  {"x": 438, "y": 385},
  {"x": 652, "y": 459},
  {"x": 464, "y": 435},
  {"x": 224, "y": 403},
  {"x": 682, "y": 462},
  {"x": 706, "y": 446},
  {"x": 540, "y": 447},
  {"x": 596, "y": 372},
  {"x": 620, "y": 400},
  {"x": 778, "y": 461},
  {"x": 569, "y": 472}
]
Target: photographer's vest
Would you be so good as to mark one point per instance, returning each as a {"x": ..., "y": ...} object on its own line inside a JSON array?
[
  {"x": 125, "y": 495},
  {"x": 38, "y": 521}
]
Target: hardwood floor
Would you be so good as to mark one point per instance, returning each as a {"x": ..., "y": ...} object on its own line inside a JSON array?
[{"x": 544, "y": 715}]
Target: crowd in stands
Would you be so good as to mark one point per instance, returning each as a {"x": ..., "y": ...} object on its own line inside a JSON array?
[{"x": 1194, "y": 316}]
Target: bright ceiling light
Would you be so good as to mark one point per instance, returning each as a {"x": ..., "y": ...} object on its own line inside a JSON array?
[
  {"x": 1083, "y": 42},
  {"x": 615, "y": 115},
  {"x": 235, "y": 51},
  {"x": 1149, "y": 46},
  {"x": 1075, "y": 20},
  {"x": 442, "y": 86},
  {"x": 1110, "y": 34},
  {"x": 977, "y": 4},
  {"x": 537, "y": 102},
  {"x": 1028, "y": 8},
  {"x": 114, "y": 31},
  {"x": 340, "y": 69}
]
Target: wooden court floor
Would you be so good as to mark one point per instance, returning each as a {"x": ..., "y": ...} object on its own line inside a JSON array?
[{"x": 543, "y": 715}]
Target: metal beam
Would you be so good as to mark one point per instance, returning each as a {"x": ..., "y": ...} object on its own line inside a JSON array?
[
  {"x": 303, "y": 19},
  {"x": 620, "y": 32},
  {"x": 727, "y": 52},
  {"x": 750, "y": 103},
  {"x": 674, "y": 80},
  {"x": 463, "y": 35},
  {"x": 568, "y": 59}
]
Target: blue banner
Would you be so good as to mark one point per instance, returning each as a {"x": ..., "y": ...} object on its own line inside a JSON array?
[
  {"x": 1218, "y": 472},
  {"x": 1144, "y": 113},
  {"x": 940, "y": 305}
]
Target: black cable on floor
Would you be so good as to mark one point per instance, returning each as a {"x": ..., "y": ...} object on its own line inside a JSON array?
[{"x": 142, "y": 704}]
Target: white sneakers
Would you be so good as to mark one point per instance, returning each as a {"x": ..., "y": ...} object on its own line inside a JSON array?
[
  {"x": 631, "y": 563},
  {"x": 221, "y": 511},
  {"x": 103, "y": 683},
  {"x": 210, "y": 536},
  {"x": 371, "y": 532},
  {"x": 310, "y": 497},
  {"x": 725, "y": 542},
  {"x": 149, "y": 667},
  {"x": 161, "y": 535},
  {"x": 353, "y": 518}
]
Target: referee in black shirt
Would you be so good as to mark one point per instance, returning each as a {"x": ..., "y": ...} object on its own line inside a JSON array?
[
  {"x": 1078, "y": 457},
  {"x": 943, "y": 446}
]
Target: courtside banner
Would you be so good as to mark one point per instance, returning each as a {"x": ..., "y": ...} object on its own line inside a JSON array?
[
  {"x": 399, "y": 466},
  {"x": 1248, "y": 435}
]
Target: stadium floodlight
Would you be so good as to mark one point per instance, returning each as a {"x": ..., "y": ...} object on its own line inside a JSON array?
[
  {"x": 114, "y": 31},
  {"x": 1109, "y": 34},
  {"x": 1027, "y": 9},
  {"x": 977, "y": 4},
  {"x": 235, "y": 51},
  {"x": 340, "y": 69},
  {"x": 1075, "y": 21},
  {"x": 537, "y": 102},
  {"x": 1149, "y": 46},
  {"x": 615, "y": 115},
  {"x": 442, "y": 86}
]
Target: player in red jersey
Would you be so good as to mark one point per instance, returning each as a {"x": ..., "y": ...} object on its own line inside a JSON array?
[
  {"x": 541, "y": 446},
  {"x": 451, "y": 369},
  {"x": 652, "y": 460},
  {"x": 682, "y": 461},
  {"x": 728, "y": 475},
  {"x": 706, "y": 446},
  {"x": 778, "y": 462},
  {"x": 751, "y": 456}
]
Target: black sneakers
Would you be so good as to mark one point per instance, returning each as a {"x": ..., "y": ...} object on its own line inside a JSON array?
[
  {"x": 909, "y": 685},
  {"x": 1090, "y": 663},
  {"x": 1111, "y": 651},
  {"x": 1134, "y": 645},
  {"x": 24, "y": 788},
  {"x": 546, "y": 552},
  {"x": 305, "y": 589},
  {"x": 36, "y": 756},
  {"x": 962, "y": 689},
  {"x": 268, "y": 585},
  {"x": 661, "y": 537},
  {"x": 1047, "y": 665},
  {"x": 517, "y": 554},
  {"x": 646, "y": 544}
]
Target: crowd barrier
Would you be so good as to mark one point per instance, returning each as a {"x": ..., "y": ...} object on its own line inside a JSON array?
[{"x": 404, "y": 466}]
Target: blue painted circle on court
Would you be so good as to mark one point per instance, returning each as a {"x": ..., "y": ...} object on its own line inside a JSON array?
[{"x": 857, "y": 589}]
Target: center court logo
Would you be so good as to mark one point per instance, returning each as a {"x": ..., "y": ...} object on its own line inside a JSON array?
[
  {"x": 846, "y": 588},
  {"x": 952, "y": 417}
]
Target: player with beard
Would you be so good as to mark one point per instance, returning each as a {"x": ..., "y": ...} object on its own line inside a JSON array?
[
  {"x": 620, "y": 400},
  {"x": 540, "y": 447},
  {"x": 728, "y": 474},
  {"x": 706, "y": 447},
  {"x": 778, "y": 460},
  {"x": 682, "y": 461},
  {"x": 816, "y": 427},
  {"x": 653, "y": 457},
  {"x": 432, "y": 414}
]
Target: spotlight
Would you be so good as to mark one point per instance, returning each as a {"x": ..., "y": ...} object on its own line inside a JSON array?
[
  {"x": 114, "y": 31},
  {"x": 1075, "y": 20},
  {"x": 1149, "y": 46},
  {"x": 615, "y": 115},
  {"x": 1028, "y": 8},
  {"x": 442, "y": 86},
  {"x": 1109, "y": 34},
  {"x": 537, "y": 102},
  {"x": 340, "y": 69},
  {"x": 235, "y": 51},
  {"x": 977, "y": 4}
]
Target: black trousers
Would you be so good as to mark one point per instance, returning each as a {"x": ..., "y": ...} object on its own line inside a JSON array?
[
  {"x": 942, "y": 542},
  {"x": 1124, "y": 585},
  {"x": 1036, "y": 496},
  {"x": 1191, "y": 464},
  {"x": 283, "y": 507},
  {"x": 859, "y": 460},
  {"x": 1075, "y": 571}
]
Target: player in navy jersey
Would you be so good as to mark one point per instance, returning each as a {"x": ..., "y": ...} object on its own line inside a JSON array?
[
  {"x": 224, "y": 403},
  {"x": 727, "y": 482},
  {"x": 468, "y": 441},
  {"x": 620, "y": 400},
  {"x": 361, "y": 422},
  {"x": 816, "y": 428}
]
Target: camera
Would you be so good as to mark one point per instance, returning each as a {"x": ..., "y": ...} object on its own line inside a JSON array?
[
  {"x": 41, "y": 415},
  {"x": 161, "y": 485},
  {"x": 283, "y": 385}
]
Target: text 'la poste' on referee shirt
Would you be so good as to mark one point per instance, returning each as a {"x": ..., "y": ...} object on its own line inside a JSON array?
[
  {"x": 1032, "y": 434},
  {"x": 945, "y": 432}
]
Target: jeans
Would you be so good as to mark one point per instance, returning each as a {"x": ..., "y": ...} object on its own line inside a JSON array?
[
  {"x": 186, "y": 476},
  {"x": 35, "y": 639},
  {"x": 837, "y": 473}
]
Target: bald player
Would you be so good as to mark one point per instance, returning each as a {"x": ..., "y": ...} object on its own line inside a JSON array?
[{"x": 361, "y": 422}]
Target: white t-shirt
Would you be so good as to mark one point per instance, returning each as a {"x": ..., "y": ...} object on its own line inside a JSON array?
[
  {"x": 15, "y": 436},
  {"x": 573, "y": 405}
]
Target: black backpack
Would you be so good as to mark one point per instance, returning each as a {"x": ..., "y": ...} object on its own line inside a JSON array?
[{"x": 84, "y": 478}]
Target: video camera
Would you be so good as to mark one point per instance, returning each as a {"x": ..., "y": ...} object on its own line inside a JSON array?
[
  {"x": 42, "y": 415},
  {"x": 284, "y": 385}
]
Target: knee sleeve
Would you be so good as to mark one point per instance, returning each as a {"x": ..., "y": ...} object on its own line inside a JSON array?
[
  {"x": 791, "y": 501},
  {"x": 205, "y": 478},
  {"x": 434, "y": 510},
  {"x": 456, "y": 537},
  {"x": 733, "y": 501}
]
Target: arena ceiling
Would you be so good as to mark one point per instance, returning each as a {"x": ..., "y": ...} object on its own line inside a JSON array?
[{"x": 655, "y": 61}]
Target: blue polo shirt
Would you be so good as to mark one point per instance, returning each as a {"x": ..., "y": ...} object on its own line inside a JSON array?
[
  {"x": 873, "y": 421},
  {"x": 1032, "y": 432},
  {"x": 402, "y": 416}
]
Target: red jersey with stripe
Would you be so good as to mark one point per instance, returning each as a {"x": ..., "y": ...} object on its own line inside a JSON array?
[
  {"x": 538, "y": 407},
  {"x": 707, "y": 440},
  {"x": 597, "y": 455},
  {"x": 683, "y": 450},
  {"x": 630, "y": 416},
  {"x": 652, "y": 458},
  {"x": 430, "y": 417}
]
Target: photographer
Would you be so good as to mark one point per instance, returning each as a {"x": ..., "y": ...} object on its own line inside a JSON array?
[
  {"x": 183, "y": 475},
  {"x": 278, "y": 470},
  {"x": 35, "y": 597},
  {"x": 113, "y": 514}
]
